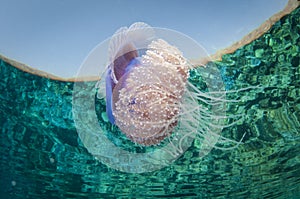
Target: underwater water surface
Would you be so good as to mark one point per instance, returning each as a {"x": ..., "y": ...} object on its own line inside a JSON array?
[{"x": 43, "y": 157}]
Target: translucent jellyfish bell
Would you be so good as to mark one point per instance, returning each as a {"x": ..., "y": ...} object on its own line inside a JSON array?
[{"x": 148, "y": 97}]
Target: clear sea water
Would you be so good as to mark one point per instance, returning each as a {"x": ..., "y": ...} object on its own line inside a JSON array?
[{"x": 43, "y": 157}]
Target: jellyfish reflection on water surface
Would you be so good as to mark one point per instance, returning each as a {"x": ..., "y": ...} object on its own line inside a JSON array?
[{"x": 148, "y": 95}]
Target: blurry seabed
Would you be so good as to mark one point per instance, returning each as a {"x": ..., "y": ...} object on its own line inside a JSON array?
[{"x": 42, "y": 156}]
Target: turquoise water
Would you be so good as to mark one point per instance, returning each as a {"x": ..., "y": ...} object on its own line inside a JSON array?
[{"x": 42, "y": 156}]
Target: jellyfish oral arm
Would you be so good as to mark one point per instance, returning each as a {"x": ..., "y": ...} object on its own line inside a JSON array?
[
  {"x": 109, "y": 88},
  {"x": 110, "y": 85}
]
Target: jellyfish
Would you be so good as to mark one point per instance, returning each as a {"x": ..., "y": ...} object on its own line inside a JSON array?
[
  {"x": 153, "y": 96},
  {"x": 143, "y": 92},
  {"x": 149, "y": 97}
]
